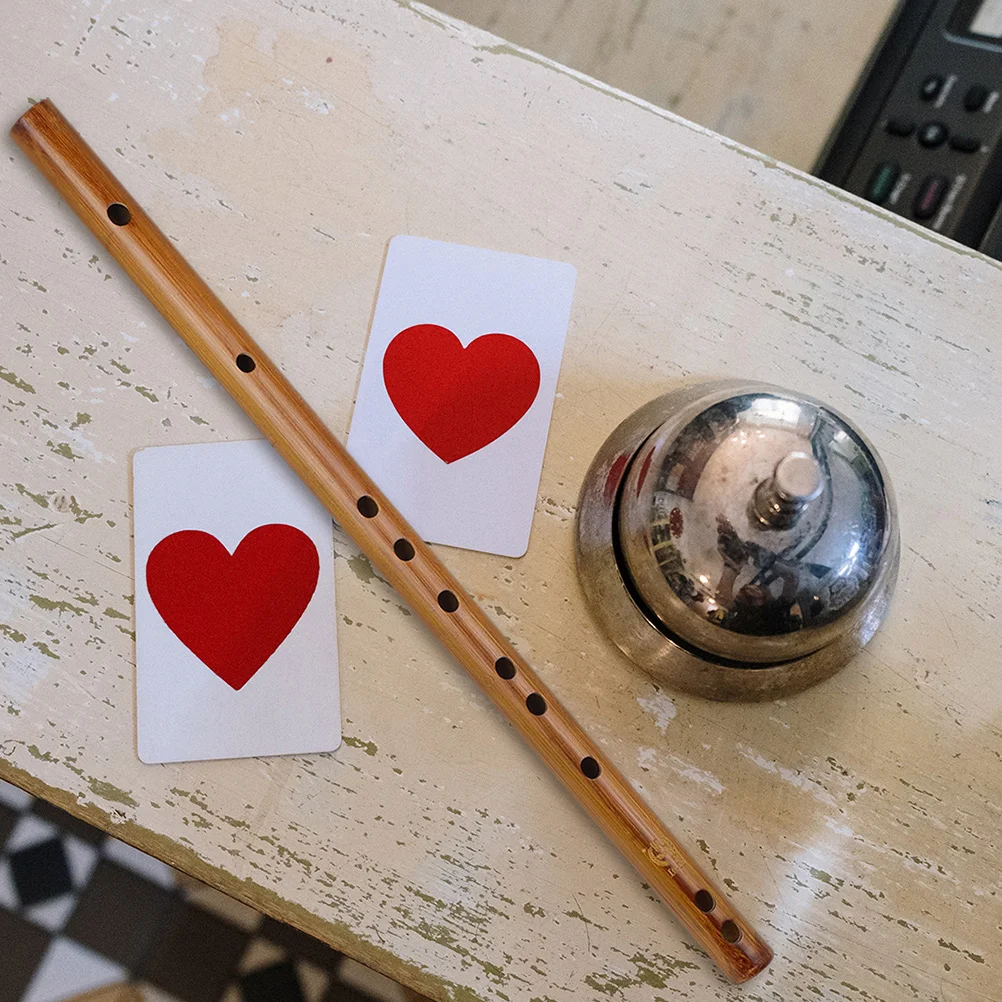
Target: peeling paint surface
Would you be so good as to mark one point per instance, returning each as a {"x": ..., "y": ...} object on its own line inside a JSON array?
[{"x": 281, "y": 145}]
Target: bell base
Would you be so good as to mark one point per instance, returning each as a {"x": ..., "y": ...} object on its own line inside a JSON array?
[{"x": 639, "y": 634}]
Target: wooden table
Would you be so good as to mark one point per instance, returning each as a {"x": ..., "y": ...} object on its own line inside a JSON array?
[{"x": 282, "y": 145}]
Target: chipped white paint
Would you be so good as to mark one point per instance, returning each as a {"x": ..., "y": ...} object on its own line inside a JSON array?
[
  {"x": 660, "y": 707},
  {"x": 702, "y": 776},
  {"x": 856, "y": 823},
  {"x": 794, "y": 777}
]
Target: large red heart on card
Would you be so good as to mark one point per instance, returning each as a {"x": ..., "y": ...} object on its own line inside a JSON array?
[
  {"x": 455, "y": 399},
  {"x": 233, "y": 610}
]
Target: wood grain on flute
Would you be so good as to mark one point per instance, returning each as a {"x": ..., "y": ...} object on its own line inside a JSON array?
[{"x": 354, "y": 501}]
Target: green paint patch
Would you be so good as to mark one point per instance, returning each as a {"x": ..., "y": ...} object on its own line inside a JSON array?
[
  {"x": 657, "y": 970},
  {"x": 46, "y": 650},
  {"x": 63, "y": 449},
  {"x": 190, "y": 796},
  {"x": 80, "y": 420},
  {"x": 437, "y": 902},
  {"x": 82, "y": 515},
  {"x": 49, "y": 606},
  {"x": 705, "y": 848},
  {"x": 62, "y": 350},
  {"x": 584, "y": 918},
  {"x": 196, "y": 419},
  {"x": 654, "y": 971},
  {"x": 369, "y": 747},
  {"x": 11, "y": 634},
  {"x": 89, "y": 598},
  {"x": 121, "y": 366},
  {"x": 115, "y": 614},
  {"x": 361, "y": 568},
  {"x": 40, "y": 499},
  {"x": 530, "y": 909},
  {"x": 35, "y": 752},
  {"x": 19, "y": 384},
  {"x": 145, "y": 391},
  {"x": 443, "y": 936},
  {"x": 826, "y": 878},
  {"x": 283, "y": 852},
  {"x": 36, "y": 528},
  {"x": 106, "y": 791},
  {"x": 608, "y": 984}
]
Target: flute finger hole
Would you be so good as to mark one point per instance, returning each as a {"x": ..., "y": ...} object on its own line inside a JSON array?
[
  {"x": 119, "y": 214},
  {"x": 535, "y": 703},
  {"x": 730, "y": 931},
  {"x": 590, "y": 767},
  {"x": 448, "y": 601},
  {"x": 367, "y": 506},
  {"x": 245, "y": 363},
  {"x": 704, "y": 901},
  {"x": 504, "y": 667},
  {"x": 403, "y": 549}
]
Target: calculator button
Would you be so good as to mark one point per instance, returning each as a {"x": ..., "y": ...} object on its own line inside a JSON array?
[
  {"x": 929, "y": 196},
  {"x": 881, "y": 182},
  {"x": 933, "y": 134},
  {"x": 965, "y": 144},
  {"x": 900, "y": 127},
  {"x": 931, "y": 87},
  {"x": 974, "y": 99}
]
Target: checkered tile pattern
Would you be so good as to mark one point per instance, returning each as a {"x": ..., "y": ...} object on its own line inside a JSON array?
[{"x": 82, "y": 913}]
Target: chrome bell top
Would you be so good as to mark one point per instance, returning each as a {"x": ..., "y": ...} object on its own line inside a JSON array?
[{"x": 755, "y": 526}]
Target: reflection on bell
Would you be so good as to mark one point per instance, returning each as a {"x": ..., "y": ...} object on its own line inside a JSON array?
[{"x": 737, "y": 540}]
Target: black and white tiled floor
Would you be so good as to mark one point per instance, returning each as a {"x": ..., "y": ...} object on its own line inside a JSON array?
[{"x": 80, "y": 910}]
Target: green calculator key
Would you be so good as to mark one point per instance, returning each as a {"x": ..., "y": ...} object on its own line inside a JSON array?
[{"x": 882, "y": 182}]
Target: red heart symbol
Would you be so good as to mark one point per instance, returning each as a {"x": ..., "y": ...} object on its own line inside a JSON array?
[
  {"x": 232, "y": 612},
  {"x": 455, "y": 399}
]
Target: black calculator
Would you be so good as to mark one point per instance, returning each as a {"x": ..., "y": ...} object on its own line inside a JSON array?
[{"x": 922, "y": 134}]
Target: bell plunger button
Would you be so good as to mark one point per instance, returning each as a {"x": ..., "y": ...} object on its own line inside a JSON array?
[
  {"x": 796, "y": 481},
  {"x": 798, "y": 477}
]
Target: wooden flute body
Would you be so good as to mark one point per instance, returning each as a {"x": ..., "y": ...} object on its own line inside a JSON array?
[{"x": 355, "y": 502}]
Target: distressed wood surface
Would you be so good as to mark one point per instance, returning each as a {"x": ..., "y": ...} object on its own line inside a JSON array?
[
  {"x": 773, "y": 74},
  {"x": 282, "y": 145}
]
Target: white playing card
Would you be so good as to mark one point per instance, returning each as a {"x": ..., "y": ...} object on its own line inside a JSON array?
[
  {"x": 236, "y": 646},
  {"x": 457, "y": 389}
]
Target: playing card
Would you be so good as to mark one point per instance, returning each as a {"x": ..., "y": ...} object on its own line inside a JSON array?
[
  {"x": 236, "y": 648},
  {"x": 457, "y": 388}
]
